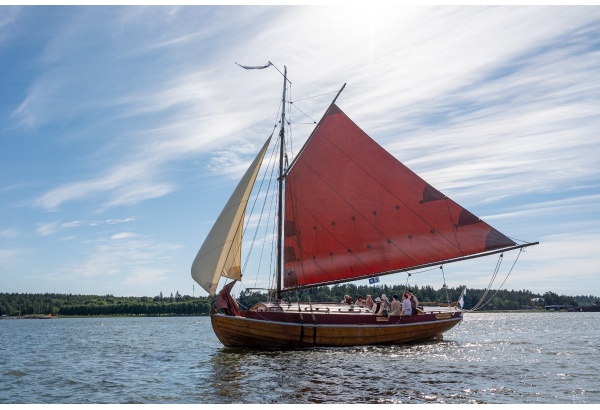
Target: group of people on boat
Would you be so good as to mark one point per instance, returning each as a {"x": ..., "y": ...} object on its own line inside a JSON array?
[{"x": 383, "y": 307}]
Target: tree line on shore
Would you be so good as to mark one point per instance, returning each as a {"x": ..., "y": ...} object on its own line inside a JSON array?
[{"x": 23, "y": 304}]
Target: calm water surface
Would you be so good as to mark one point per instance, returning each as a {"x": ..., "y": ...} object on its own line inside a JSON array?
[{"x": 489, "y": 358}]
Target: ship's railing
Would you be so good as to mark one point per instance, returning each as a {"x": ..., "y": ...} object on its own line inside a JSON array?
[{"x": 303, "y": 307}]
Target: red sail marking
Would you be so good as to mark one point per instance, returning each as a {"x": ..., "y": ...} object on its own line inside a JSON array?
[{"x": 353, "y": 210}]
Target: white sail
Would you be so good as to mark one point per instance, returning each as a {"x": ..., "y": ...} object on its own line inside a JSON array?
[{"x": 220, "y": 254}]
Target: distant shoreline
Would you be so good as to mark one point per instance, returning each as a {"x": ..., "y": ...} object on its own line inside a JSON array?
[
  {"x": 35, "y": 317},
  {"x": 584, "y": 309}
]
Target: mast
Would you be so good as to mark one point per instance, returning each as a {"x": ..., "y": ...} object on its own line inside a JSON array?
[{"x": 280, "y": 199}]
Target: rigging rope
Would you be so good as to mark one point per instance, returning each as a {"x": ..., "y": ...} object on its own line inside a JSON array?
[
  {"x": 445, "y": 286},
  {"x": 271, "y": 180},
  {"x": 493, "y": 278},
  {"x": 305, "y": 114},
  {"x": 273, "y": 259},
  {"x": 289, "y": 123},
  {"x": 299, "y": 307},
  {"x": 272, "y": 210},
  {"x": 315, "y": 96},
  {"x": 409, "y": 274},
  {"x": 312, "y": 313},
  {"x": 479, "y": 305},
  {"x": 252, "y": 211}
]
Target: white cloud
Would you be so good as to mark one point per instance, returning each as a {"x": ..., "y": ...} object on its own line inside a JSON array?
[
  {"x": 6, "y": 253},
  {"x": 7, "y": 19},
  {"x": 118, "y": 221},
  {"x": 72, "y": 224},
  {"x": 563, "y": 263},
  {"x": 122, "y": 235},
  {"x": 127, "y": 259},
  {"x": 9, "y": 233},
  {"x": 45, "y": 229}
]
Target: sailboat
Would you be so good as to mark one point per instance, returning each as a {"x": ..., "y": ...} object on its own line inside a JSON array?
[{"x": 347, "y": 210}]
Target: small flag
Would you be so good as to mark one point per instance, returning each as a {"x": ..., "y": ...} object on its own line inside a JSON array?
[
  {"x": 373, "y": 280},
  {"x": 462, "y": 298},
  {"x": 255, "y": 67}
]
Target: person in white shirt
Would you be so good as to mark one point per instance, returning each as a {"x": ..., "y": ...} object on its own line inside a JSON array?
[
  {"x": 413, "y": 301},
  {"x": 406, "y": 306}
]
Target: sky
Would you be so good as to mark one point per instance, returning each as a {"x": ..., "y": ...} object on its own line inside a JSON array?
[{"x": 125, "y": 129}]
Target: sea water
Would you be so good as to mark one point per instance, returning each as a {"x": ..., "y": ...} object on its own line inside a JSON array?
[{"x": 550, "y": 357}]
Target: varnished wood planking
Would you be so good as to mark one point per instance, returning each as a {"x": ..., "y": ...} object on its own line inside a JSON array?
[{"x": 237, "y": 331}]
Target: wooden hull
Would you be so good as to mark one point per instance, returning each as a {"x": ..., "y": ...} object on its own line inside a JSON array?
[{"x": 294, "y": 329}]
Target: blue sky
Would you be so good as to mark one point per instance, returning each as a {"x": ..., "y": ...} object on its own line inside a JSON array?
[{"x": 124, "y": 130}]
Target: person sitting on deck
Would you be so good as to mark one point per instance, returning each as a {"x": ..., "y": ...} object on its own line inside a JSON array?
[
  {"x": 369, "y": 303},
  {"x": 406, "y": 306},
  {"x": 347, "y": 300},
  {"x": 359, "y": 302},
  {"x": 413, "y": 301},
  {"x": 385, "y": 306},
  {"x": 396, "y": 306},
  {"x": 376, "y": 306}
]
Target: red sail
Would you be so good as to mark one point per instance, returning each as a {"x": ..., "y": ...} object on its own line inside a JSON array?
[{"x": 353, "y": 210}]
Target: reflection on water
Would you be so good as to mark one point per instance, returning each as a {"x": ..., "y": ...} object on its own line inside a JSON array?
[
  {"x": 397, "y": 374},
  {"x": 489, "y": 358}
]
